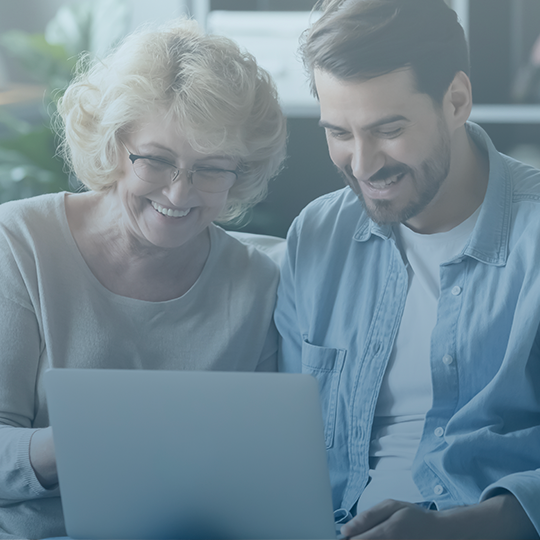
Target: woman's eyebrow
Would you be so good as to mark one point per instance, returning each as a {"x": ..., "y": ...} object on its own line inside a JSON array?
[
  {"x": 205, "y": 158},
  {"x": 148, "y": 147}
]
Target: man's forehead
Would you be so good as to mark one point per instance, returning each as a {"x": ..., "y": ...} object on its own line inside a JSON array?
[
  {"x": 401, "y": 81},
  {"x": 377, "y": 100}
]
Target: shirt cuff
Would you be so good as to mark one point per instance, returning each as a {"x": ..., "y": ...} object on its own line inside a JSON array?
[{"x": 525, "y": 487}]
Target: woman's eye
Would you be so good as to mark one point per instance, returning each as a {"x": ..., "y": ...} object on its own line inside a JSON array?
[{"x": 155, "y": 165}]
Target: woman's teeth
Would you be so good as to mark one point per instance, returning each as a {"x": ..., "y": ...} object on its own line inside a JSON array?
[{"x": 168, "y": 212}]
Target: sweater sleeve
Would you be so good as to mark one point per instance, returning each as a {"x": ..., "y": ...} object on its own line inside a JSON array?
[
  {"x": 19, "y": 363},
  {"x": 20, "y": 353},
  {"x": 268, "y": 359}
]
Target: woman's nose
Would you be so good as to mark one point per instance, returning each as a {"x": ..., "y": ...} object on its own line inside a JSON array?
[{"x": 180, "y": 188}]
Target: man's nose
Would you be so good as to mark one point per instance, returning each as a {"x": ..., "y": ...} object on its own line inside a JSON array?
[{"x": 366, "y": 159}]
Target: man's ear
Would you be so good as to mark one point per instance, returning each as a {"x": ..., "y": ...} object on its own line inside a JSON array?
[{"x": 457, "y": 102}]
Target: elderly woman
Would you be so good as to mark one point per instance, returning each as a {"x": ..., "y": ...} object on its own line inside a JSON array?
[{"x": 171, "y": 132}]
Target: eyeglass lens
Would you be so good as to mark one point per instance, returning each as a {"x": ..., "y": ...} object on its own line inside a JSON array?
[{"x": 204, "y": 179}]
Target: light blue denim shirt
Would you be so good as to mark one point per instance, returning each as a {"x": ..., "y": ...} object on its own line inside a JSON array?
[{"x": 340, "y": 302}]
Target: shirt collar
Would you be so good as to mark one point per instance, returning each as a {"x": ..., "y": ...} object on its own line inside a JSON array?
[
  {"x": 488, "y": 242},
  {"x": 366, "y": 227}
]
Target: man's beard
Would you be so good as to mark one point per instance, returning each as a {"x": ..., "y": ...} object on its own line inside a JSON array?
[{"x": 428, "y": 179}]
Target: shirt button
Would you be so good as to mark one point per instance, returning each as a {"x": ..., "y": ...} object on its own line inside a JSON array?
[
  {"x": 447, "y": 359},
  {"x": 438, "y": 489},
  {"x": 456, "y": 291},
  {"x": 439, "y": 432}
]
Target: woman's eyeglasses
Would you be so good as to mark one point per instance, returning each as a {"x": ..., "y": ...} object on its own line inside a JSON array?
[{"x": 159, "y": 171}]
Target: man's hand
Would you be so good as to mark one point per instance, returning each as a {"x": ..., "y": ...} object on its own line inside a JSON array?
[
  {"x": 393, "y": 519},
  {"x": 501, "y": 517}
]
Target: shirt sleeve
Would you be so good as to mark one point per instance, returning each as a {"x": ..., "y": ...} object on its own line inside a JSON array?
[
  {"x": 290, "y": 342},
  {"x": 525, "y": 486}
]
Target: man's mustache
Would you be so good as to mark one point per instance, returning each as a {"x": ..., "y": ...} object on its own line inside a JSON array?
[
  {"x": 389, "y": 172},
  {"x": 384, "y": 173}
]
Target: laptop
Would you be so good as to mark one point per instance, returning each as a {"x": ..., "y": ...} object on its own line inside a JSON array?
[{"x": 190, "y": 455}]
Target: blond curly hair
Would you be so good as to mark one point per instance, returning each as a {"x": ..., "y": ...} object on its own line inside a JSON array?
[{"x": 222, "y": 100}]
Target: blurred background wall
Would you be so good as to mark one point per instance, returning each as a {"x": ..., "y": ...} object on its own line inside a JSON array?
[
  {"x": 505, "y": 75},
  {"x": 33, "y": 15}
]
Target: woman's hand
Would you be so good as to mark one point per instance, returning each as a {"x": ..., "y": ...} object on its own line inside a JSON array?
[
  {"x": 42, "y": 457},
  {"x": 497, "y": 518}
]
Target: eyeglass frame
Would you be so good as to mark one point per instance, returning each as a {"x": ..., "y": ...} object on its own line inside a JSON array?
[{"x": 189, "y": 172}]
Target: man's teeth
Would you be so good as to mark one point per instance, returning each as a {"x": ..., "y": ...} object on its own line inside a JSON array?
[
  {"x": 385, "y": 183},
  {"x": 168, "y": 212}
]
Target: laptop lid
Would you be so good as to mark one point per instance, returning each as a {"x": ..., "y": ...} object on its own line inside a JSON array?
[{"x": 190, "y": 455}]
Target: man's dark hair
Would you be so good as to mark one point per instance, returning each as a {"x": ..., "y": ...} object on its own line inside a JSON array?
[{"x": 357, "y": 40}]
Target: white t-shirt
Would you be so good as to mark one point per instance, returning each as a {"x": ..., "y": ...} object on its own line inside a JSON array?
[{"x": 406, "y": 392}]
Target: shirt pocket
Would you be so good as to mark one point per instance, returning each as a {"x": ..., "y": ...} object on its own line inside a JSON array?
[{"x": 325, "y": 364}]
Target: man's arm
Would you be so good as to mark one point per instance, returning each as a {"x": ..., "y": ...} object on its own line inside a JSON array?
[
  {"x": 290, "y": 342},
  {"x": 500, "y": 517}
]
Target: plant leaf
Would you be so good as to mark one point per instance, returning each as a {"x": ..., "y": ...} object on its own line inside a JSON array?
[
  {"x": 20, "y": 178},
  {"x": 38, "y": 148},
  {"x": 13, "y": 124},
  {"x": 42, "y": 60},
  {"x": 28, "y": 165}
]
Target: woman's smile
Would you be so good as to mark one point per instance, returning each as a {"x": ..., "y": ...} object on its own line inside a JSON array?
[{"x": 169, "y": 212}]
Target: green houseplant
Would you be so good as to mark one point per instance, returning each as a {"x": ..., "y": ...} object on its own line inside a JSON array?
[{"x": 28, "y": 162}]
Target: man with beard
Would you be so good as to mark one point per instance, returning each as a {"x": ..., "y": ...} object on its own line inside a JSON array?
[{"x": 413, "y": 295}]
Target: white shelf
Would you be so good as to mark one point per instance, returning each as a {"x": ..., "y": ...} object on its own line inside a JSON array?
[
  {"x": 483, "y": 114},
  {"x": 506, "y": 114}
]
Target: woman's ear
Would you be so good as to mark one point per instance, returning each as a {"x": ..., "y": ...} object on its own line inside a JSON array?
[{"x": 457, "y": 102}]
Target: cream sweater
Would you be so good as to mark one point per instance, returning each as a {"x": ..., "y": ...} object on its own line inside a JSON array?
[{"x": 54, "y": 312}]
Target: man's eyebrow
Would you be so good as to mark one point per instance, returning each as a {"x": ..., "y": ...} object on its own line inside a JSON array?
[
  {"x": 324, "y": 124},
  {"x": 378, "y": 123}
]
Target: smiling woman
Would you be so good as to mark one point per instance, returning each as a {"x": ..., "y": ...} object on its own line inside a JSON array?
[{"x": 171, "y": 132}]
